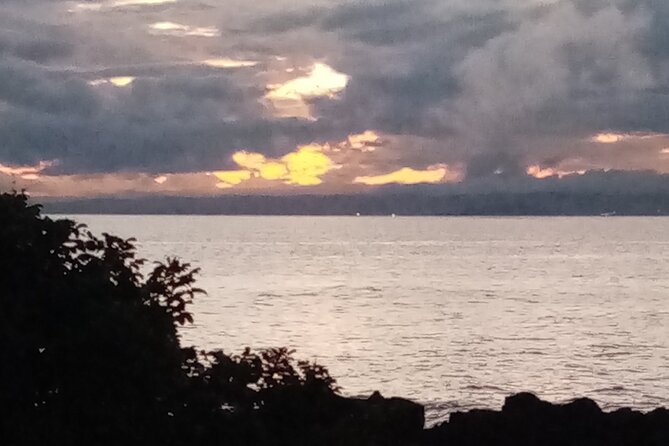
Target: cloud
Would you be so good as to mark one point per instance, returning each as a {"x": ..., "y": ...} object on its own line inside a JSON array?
[
  {"x": 176, "y": 122},
  {"x": 163, "y": 88},
  {"x": 407, "y": 175},
  {"x": 303, "y": 167},
  {"x": 366, "y": 141},
  {"x": 547, "y": 172},
  {"x": 289, "y": 98},
  {"x": 117, "y": 81},
  {"x": 30, "y": 173},
  {"x": 177, "y": 29},
  {"x": 232, "y": 177},
  {"x": 125, "y": 4},
  {"x": 224, "y": 62}
]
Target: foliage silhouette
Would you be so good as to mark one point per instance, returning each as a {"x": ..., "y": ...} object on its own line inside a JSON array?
[{"x": 91, "y": 350}]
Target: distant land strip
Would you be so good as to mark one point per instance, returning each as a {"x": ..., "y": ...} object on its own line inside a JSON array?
[{"x": 476, "y": 204}]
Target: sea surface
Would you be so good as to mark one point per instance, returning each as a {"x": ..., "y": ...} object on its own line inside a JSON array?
[{"x": 454, "y": 313}]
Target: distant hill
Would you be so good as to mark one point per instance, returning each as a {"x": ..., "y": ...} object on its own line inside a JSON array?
[{"x": 535, "y": 203}]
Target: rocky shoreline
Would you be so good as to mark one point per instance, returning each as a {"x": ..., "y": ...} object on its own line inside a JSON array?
[{"x": 523, "y": 420}]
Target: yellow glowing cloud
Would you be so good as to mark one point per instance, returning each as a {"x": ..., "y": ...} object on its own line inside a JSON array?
[
  {"x": 539, "y": 172},
  {"x": 118, "y": 81},
  {"x": 162, "y": 179},
  {"x": 224, "y": 62},
  {"x": 665, "y": 151},
  {"x": 406, "y": 175},
  {"x": 122, "y": 81},
  {"x": 307, "y": 165},
  {"x": 303, "y": 167},
  {"x": 232, "y": 177},
  {"x": 249, "y": 160},
  {"x": 273, "y": 170}
]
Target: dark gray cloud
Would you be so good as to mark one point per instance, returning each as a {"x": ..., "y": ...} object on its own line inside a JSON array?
[{"x": 177, "y": 122}]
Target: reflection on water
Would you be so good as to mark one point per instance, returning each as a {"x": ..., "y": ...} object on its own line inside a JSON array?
[{"x": 452, "y": 312}]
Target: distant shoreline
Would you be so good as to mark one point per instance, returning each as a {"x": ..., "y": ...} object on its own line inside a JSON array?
[
  {"x": 537, "y": 204},
  {"x": 156, "y": 214}
]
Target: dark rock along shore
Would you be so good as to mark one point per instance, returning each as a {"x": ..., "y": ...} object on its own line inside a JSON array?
[{"x": 526, "y": 420}]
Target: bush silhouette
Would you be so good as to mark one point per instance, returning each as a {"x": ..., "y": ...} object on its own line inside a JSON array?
[{"x": 91, "y": 353}]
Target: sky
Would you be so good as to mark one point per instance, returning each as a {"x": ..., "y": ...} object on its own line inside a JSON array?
[{"x": 208, "y": 97}]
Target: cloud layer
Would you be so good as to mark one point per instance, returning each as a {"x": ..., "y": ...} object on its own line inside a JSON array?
[{"x": 130, "y": 91}]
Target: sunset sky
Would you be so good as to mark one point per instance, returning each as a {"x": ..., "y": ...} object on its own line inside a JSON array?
[{"x": 207, "y": 97}]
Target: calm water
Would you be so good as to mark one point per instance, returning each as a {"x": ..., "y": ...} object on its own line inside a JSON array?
[{"x": 452, "y": 312}]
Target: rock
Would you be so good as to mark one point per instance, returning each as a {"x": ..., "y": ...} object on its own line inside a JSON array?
[
  {"x": 525, "y": 420},
  {"x": 396, "y": 416}
]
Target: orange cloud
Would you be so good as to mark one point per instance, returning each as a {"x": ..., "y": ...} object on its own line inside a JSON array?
[
  {"x": 608, "y": 138},
  {"x": 30, "y": 173},
  {"x": 612, "y": 138},
  {"x": 408, "y": 175},
  {"x": 539, "y": 172}
]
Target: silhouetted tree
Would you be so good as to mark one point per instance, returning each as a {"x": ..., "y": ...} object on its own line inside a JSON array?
[{"x": 90, "y": 348}]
